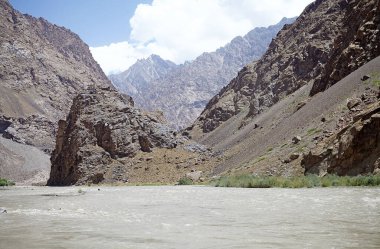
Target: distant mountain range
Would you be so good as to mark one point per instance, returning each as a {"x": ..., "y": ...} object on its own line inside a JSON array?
[{"x": 182, "y": 91}]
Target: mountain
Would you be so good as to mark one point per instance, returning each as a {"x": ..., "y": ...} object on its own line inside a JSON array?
[
  {"x": 42, "y": 68},
  {"x": 137, "y": 80},
  {"x": 181, "y": 92},
  {"x": 300, "y": 53},
  {"x": 268, "y": 118}
]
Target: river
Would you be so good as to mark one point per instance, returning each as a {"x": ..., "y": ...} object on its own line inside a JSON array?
[{"x": 189, "y": 217}]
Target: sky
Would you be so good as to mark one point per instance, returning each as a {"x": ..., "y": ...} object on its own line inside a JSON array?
[{"x": 121, "y": 31}]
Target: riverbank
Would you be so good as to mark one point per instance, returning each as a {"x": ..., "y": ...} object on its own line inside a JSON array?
[{"x": 309, "y": 181}]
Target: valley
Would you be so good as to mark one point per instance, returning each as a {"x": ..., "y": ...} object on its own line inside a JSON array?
[{"x": 293, "y": 109}]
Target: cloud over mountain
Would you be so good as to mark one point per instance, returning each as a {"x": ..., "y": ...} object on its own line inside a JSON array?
[{"x": 181, "y": 30}]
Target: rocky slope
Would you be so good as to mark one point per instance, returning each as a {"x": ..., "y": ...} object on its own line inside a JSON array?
[
  {"x": 301, "y": 53},
  {"x": 182, "y": 92},
  {"x": 276, "y": 141},
  {"x": 254, "y": 119},
  {"x": 42, "y": 68},
  {"x": 105, "y": 139}
]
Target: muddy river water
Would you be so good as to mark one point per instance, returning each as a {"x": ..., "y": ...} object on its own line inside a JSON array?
[{"x": 189, "y": 217}]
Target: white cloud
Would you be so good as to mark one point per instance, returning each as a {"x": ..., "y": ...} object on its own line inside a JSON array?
[{"x": 180, "y": 30}]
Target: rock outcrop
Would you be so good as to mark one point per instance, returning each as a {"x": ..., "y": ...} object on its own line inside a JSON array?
[
  {"x": 358, "y": 43},
  {"x": 102, "y": 134},
  {"x": 182, "y": 92},
  {"x": 354, "y": 150},
  {"x": 300, "y": 54},
  {"x": 42, "y": 68}
]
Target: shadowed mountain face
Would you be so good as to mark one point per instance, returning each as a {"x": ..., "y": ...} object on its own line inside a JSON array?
[
  {"x": 309, "y": 50},
  {"x": 182, "y": 92}
]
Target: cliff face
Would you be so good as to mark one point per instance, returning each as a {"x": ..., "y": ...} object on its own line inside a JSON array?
[
  {"x": 354, "y": 150},
  {"x": 299, "y": 54},
  {"x": 42, "y": 67},
  {"x": 101, "y": 137},
  {"x": 182, "y": 92},
  {"x": 358, "y": 43}
]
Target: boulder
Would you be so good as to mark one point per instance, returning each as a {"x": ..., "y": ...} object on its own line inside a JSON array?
[
  {"x": 296, "y": 139},
  {"x": 195, "y": 175},
  {"x": 365, "y": 77},
  {"x": 294, "y": 156},
  {"x": 351, "y": 103}
]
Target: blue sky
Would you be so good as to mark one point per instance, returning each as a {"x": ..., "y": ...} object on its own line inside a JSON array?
[
  {"x": 119, "y": 32},
  {"x": 97, "y": 22}
]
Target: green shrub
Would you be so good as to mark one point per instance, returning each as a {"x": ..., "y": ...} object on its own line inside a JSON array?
[
  {"x": 185, "y": 181},
  {"x": 308, "y": 181},
  {"x": 5, "y": 182}
]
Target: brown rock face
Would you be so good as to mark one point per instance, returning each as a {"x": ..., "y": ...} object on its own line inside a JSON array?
[
  {"x": 354, "y": 150},
  {"x": 358, "y": 43},
  {"x": 299, "y": 54},
  {"x": 42, "y": 68},
  {"x": 101, "y": 129}
]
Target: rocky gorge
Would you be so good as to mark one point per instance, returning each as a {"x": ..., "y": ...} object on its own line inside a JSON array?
[{"x": 310, "y": 104}]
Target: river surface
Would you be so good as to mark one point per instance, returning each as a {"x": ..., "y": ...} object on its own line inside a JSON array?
[{"x": 189, "y": 217}]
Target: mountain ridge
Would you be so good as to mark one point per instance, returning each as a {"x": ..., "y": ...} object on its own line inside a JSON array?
[{"x": 182, "y": 92}]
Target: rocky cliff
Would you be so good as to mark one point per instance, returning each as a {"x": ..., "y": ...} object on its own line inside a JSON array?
[
  {"x": 102, "y": 136},
  {"x": 42, "y": 68},
  {"x": 303, "y": 52},
  {"x": 182, "y": 92},
  {"x": 358, "y": 43},
  {"x": 354, "y": 150}
]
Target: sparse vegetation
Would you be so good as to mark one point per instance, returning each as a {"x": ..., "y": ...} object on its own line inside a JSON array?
[
  {"x": 5, "y": 182},
  {"x": 313, "y": 131},
  {"x": 259, "y": 159},
  {"x": 375, "y": 78},
  {"x": 309, "y": 181},
  {"x": 185, "y": 181},
  {"x": 269, "y": 149},
  {"x": 300, "y": 148}
]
